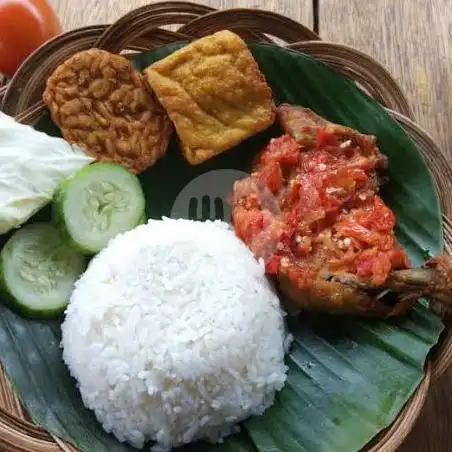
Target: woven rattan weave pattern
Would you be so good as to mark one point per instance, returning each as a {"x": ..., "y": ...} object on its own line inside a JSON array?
[{"x": 138, "y": 31}]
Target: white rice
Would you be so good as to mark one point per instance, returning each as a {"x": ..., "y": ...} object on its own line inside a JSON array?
[{"x": 174, "y": 334}]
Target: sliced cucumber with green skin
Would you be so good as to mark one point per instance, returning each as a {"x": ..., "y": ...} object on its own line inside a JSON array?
[
  {"x": 38, "y": 270},
  {"x": 143, "y": 219},
  {"x": 96, "y": 204}
]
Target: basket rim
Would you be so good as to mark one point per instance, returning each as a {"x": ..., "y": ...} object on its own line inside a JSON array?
[{"x": 391, "y": 438}]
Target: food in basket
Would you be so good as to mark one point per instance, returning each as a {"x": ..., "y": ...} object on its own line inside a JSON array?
[
  {"x": 214, "y": 93},
  {"x": 310, "y": 208},
  {"x": 97, "y": 203},
  {"x": 38, "y": 271},
  {"x": 175, "y": 334},
  {"x": 101, "y": 103},
  {"x": 32, "y": 165},
  {"x": 293, "y": 421}
]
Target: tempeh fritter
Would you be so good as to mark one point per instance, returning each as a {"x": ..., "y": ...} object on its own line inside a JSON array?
[{"x": 102, "y": 104}]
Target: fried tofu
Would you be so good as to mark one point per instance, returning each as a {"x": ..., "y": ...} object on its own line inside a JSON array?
[{"x": 214, "y": 93}]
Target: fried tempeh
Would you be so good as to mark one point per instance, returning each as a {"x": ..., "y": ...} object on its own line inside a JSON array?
[{"x": 102, "y": 104}]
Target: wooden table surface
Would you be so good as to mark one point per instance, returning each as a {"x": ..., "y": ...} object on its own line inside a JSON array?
[{"x": 413, "y": 39}]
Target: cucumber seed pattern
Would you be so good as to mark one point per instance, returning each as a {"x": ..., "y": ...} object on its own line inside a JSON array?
[{"x": 103, "y": 200}]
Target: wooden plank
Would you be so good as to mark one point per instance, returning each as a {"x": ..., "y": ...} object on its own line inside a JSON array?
[
  {"x": 412, "y": 39},
  {"x": 79, "y": 13},
  {"x": 433, "y": 430}
]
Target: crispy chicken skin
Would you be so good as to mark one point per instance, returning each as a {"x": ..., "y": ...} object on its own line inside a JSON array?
[
  {"x": 303, "y": 125},
  {"x": 214, "y": 94}
]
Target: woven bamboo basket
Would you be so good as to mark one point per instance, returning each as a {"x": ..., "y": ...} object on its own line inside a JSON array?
[{"x": 149, "y": 27}]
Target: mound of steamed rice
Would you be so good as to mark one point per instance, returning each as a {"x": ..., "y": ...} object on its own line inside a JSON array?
[{"x": 174, "y": 334}]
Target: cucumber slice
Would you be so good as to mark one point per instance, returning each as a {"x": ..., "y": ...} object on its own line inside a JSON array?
[
  {"x": 143, "y": 219},
  {"x": 97, "y": 203},
  {"x": 38, "y": 270}
]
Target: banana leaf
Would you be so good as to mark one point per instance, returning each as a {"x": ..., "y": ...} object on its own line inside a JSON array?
[{"x": 348, "y": 378}]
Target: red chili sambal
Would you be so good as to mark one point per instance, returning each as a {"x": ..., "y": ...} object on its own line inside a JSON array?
[{"x": 311, "y": 204}]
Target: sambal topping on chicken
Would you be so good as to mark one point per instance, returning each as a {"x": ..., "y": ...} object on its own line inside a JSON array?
[{"x": 311, "y": 207}]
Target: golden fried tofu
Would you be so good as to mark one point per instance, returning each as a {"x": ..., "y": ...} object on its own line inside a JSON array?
[
  {"x": 214, "y": 93},
  {"x": 104, "y": 105}
]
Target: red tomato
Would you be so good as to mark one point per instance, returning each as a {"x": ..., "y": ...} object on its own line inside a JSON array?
[
  {"x": 248, "y": 224},
  {"x": 284, "y": 150},
  {"x": 25, "y": 25},
  {"x": 325, "y": 139},
  {"x": 271, "y": 175},
  {"x": 271, "y": 267}
]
